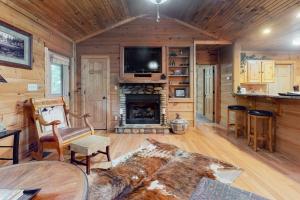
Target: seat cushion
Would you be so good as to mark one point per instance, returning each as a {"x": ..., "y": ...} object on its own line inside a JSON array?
[
  {"x": 237, "y": 107},
  {"x": 262, "y": 113},
  {"x": 65, "y": 133},
  {"x": 90, "y": 144}
]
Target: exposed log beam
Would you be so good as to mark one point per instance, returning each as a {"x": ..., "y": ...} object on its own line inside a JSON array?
[
  {"x": 212, "y": 42},
  {"x": 109, "y": 28}
]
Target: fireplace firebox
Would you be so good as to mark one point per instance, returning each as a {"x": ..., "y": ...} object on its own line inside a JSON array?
[{"x": 142, "y": 109}]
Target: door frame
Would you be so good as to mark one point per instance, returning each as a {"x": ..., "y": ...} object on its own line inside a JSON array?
[{"x": 108, "y": 98}]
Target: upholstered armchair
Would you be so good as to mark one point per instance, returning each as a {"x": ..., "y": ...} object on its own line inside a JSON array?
[{"x": 51, "y": 118}]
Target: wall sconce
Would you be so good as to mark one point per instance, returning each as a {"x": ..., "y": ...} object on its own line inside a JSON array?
[{"x": 2, "y": 80}]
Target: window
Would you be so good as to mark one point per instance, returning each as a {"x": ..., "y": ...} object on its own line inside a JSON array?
[{"x": 57, "y": 75}]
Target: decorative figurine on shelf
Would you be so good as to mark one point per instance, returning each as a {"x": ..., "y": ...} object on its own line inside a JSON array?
[
  {"x": 239, "y": 89},
  {"x": 179, "y": 125}
]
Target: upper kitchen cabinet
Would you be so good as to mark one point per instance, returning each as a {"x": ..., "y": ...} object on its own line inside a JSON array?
[
  {"x": 253, "y": 71},
  {"x": 267, "y": 71},
  {"x": 259, "y": 71}
]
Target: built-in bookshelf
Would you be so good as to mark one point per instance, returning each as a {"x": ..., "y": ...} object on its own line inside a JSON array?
[{"x": 179, "y": 63}]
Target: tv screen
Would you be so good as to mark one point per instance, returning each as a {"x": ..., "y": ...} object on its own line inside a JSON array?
[{"x": 142, "y": 59}]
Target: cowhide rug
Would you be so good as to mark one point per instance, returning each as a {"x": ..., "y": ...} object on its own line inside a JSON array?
[{"x": 157, "y": 171}]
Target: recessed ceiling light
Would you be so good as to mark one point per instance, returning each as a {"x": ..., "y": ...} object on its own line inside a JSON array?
[
  {"x": 296, "y": 42},
  {"x": 266, "y": 31}
]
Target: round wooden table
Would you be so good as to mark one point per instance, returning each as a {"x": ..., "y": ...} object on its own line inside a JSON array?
[{"x": 57, "y": 180}]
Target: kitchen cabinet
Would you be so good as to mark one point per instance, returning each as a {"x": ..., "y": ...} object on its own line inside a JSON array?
[
  {"x": 254, "y": 71},
  {"x": 267, "y": 71},
  {"x": 260, "y": 71}
]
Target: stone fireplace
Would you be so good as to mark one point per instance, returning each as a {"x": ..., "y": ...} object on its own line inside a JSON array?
[{"x": 142, "y": 106}]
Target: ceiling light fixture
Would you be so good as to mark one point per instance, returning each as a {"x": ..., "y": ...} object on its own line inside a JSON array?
[
  {"x": 296, "y": 42},
  {"x": 298, "y": 15},
  {"x": 158, "y": 3},
  {"x": 266, "y": 31}
]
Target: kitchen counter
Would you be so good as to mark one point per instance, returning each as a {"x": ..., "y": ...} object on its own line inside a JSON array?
[
  {"x": 287, "y": 115},
  {"x": 266, "y": 96}
]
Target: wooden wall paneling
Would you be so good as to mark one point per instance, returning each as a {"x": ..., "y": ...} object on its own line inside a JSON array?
[
  {"x": 142, "y": 31},
  {"x": 226, "y": 65},
  {"x": 14, "y": 93}
]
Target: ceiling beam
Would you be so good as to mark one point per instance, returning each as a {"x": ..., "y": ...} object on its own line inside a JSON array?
[
  {"x": 109, "y": 28},
  {"x": 35, "y": 19},
  {"x": 212, "y": 42}
]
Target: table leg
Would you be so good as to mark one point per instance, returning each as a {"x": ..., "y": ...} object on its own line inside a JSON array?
[
  {"x": 107, "y": 153},
  {"x": 88, "y": 165},
  {"x": 16, "y": 148},
  {"x": 72, "y": 156}
]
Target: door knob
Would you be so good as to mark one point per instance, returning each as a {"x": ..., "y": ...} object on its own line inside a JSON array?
[{"x": 103, "y": 97}]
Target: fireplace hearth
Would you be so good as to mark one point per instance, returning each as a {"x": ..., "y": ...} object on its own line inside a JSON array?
[{"x": 142, "y": 109}]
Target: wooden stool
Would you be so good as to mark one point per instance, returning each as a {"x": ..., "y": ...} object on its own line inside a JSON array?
[
  {"x": 253, "y": 135},
  {"x": 90, "y": 146},
  {"x": 240, "y": 111}
]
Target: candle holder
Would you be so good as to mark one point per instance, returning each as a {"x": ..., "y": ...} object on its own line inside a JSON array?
[
  {"x": 163, "y": 123},
  {"x": 121, "y": 122}
]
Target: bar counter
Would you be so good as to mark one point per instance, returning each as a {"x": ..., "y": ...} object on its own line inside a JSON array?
[{"x": 287, "y": 112}]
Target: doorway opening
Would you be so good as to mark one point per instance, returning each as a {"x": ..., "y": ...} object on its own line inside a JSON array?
[
  {"x": 205, "y": 93},
  {"x": 209, "y": 60}
]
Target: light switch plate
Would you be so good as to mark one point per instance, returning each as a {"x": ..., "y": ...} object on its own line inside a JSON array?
[{"x": 32, "y": 87}]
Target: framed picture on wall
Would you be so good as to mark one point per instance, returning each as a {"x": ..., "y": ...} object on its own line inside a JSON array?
[
  {"x": 180, "y": 92},
  {"x": 15, "y": 47}
]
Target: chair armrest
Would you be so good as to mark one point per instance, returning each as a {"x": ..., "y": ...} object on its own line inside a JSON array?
[
  {"x": 44, "y": 123},
  {"x": 85, "y": 117},
  {"x": 54, "y": 125}
]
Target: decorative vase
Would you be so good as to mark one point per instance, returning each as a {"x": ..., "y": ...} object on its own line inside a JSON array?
[{"x": 179, "y": 125}]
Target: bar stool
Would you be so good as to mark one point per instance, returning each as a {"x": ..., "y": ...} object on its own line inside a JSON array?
[
  {"x": 240, "y": 111},
  {"x": 253, "y": 135}
]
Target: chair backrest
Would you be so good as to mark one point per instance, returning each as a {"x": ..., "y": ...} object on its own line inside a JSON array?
[{"x": 49, "y": 110}]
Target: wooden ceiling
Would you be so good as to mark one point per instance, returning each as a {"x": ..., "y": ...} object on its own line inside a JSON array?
[{"x": 226, "y": 19}]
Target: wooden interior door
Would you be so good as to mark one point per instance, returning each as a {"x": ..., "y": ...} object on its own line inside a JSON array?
[
  {"x": 209, "y": 93},
  {"x": 95, "y": 90},
  {"x": 200, "y": 90},
  {"x": 254, "y": 71}
]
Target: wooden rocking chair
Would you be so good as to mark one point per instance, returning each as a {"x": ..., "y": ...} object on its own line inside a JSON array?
[{"x": 51, "y": 118}]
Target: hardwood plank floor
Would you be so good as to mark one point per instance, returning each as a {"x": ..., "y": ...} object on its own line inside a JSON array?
[{"x": 269, "y": 174}]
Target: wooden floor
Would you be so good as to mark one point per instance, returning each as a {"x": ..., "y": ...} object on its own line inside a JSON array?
[{"x": 268, "y": 174}]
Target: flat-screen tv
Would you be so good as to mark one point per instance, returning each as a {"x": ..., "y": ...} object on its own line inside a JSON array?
[{"x": 142, "y": 60}]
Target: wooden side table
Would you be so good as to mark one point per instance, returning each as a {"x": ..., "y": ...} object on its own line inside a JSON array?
[
  {"x": 57, "y": 180},
  {"x": 15, "y": 147}
]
